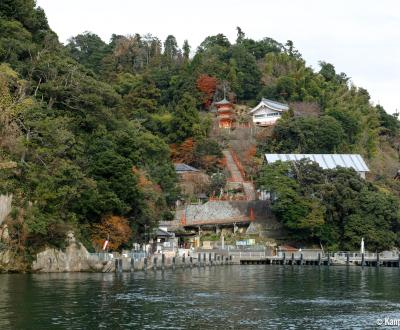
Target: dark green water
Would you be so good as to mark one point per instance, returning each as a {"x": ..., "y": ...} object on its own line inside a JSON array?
[{"x": 229, "y": 297}]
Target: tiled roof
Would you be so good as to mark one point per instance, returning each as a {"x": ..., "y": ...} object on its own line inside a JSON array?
[
  {"x": 180, "y": 167},
  {"x": 162, "y": 233},
  {"x": 276, "y": 105},
  {"x": 326, "y": 161},
  {"x": 273, "y": 105}
]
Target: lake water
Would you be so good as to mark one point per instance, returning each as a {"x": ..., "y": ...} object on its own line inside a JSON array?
[{"x": 227, "y": 297}]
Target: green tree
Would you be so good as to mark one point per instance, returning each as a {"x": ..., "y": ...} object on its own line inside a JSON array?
[
  {"x": 240, "y": 35},
  {"x": 335, "y": 207},
  {"x": 247, "y": 72},
  {"x": 185, "y": 118},
  {"x": 89, "y": 50},
  {"x": 306, "y": 135},
  {"x": 170, "y": 47},
  {"x": 186, "y": 50}
]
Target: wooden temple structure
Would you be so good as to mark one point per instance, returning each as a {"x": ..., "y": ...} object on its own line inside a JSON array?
[{"x": 225, "y": 114}]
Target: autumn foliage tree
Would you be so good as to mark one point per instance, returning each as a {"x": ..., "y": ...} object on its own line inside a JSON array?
[
  {"x": 204, "y": 153},
  {"x": 207, "y": 85},
  {"x": 183, "y": 152},
  {"x": 115, "y": 228}
]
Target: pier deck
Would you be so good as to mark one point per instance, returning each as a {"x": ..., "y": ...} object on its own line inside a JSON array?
[{"x": 350, "y": 259}]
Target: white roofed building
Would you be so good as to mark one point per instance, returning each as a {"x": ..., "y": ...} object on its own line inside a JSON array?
[
  {"x": 325, "y": 161},
  {"x": 267, "y": 112}
]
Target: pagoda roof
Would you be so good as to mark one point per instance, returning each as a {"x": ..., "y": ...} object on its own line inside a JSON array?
[
  {"x": 222, "y": 102},
  {"x": 226, "y": 116}
]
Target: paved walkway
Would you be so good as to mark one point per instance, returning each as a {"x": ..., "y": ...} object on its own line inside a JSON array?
[
  {"x": 231, "y": 165},
  {"x": 236, "y": 176},
  {"x": 249, "y": 191}
]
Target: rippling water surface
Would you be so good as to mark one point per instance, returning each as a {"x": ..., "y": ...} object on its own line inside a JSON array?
[{"x": 228, "y": 297}]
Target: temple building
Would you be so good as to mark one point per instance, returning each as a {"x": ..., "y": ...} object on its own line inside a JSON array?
[
  {"x": 267, "y": 112},
  {"x": 225, "y": 114}
]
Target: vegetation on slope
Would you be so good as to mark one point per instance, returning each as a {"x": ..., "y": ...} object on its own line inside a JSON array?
[{"x": 91, "y": 126}]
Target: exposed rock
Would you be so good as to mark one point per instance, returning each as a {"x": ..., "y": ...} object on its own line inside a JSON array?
[
  {"x": 5, "y": 257},
  {"x": 71, "y": 237},
  {"x": 5, "y": 206},
  {"x": 254, "y": 228},
  {"x": 75, "y": 258},
  {"x": 8, "y": 165},
  {"x": 4, "y": 235},
  {"x": 10, "y": 261}
]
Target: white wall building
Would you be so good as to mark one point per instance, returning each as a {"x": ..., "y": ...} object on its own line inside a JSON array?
[{"x": 267, "y": 112}]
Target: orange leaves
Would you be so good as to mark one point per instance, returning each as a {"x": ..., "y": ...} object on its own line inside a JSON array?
[
  {"x": 188, "y": 153},
  {"x": 208, "y": 161},
  {"x": 207, "y": 85},
  {"x": 183, "y": 153},
  {"x": 143, "y": 181},
  {"x": 115, "y": 228},
  {"x": 251, "y": 152}
]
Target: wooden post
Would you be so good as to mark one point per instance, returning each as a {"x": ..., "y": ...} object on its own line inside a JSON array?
[
  {"x": 284, "y": 258},
  {"x": 362, "y": 259},
  {"x": 292, "y": 258},
  {"x": 377, "y": 259},
  {"x": 155, "y": 263},
  {"x": 145, "y": 264},
  {"x": 132, "y": 264},
  {"x": 118, "y": 265},
  {"x": 348, "y": 258},
  {"x": 209, "y": 259},
  {"x": 301, "y": 259},
  {"x": 162, "y": 261},
  {"x": 319, "y": 258},
  {"x": 329, "y": 259},
  {"x": 199, "y": 259},
  {"x": 183, "y": 260},
  {"x": 215, "y": 256},
  {"x": 398, "y": 262},
  {"x": 173, "y": 263},
  {"x": 191, "y": 261}
]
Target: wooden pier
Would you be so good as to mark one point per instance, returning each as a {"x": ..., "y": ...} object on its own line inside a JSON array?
[
  {"x": 209, "y": 259},
  {"x": 162, "y": 262},
  {"x": 328, "y": 259}
]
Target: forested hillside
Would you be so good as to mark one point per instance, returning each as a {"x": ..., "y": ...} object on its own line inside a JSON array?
[{"x": 93, "y": 127}]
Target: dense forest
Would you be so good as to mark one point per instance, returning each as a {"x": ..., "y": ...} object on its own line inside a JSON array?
[{"x": 93, "y": 129}]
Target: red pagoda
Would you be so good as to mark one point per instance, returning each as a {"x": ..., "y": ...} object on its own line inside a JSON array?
[{"x": 225, "y": 114}]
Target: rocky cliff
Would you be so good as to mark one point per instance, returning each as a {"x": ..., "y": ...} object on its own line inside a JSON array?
[{"x": 75, "y": 258}]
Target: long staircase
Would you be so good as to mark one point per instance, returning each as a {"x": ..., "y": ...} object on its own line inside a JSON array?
[{"x": 236, "y": 175}]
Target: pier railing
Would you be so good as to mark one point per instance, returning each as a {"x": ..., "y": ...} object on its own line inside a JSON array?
[
  {"x": 100, "y": 256},
  {"x": 248, "y": 254},
  {"x": 135, "y": 255}
]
